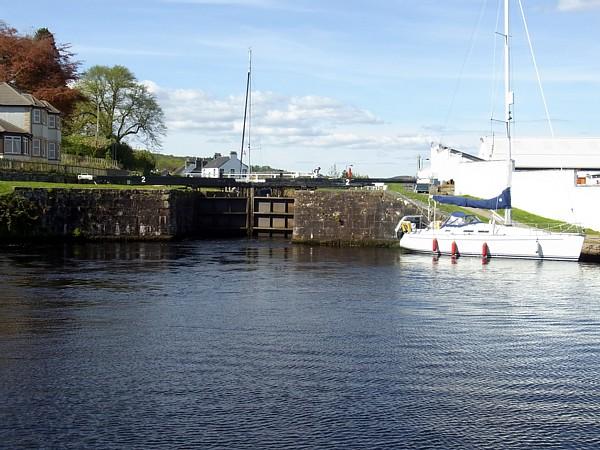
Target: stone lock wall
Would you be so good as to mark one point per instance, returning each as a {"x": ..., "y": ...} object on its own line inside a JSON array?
[
  {"x": 348, "y": 218},
  {"x": 96, "y": 214},
  {"x": 136, "y": 214}
]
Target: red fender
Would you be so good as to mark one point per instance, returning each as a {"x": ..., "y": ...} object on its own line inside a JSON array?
[
  {"x": 485, "y": 251},
  {"x": 454, "y": 250},
  {"x": 435, "y": 247}
]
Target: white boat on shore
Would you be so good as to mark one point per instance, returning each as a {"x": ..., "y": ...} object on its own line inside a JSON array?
[{"x": 466, "y": 235}]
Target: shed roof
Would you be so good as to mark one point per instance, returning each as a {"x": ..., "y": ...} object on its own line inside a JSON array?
[{"x": 549, "y": 153}]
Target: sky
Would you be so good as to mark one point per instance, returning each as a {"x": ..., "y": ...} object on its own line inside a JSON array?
[{"x": 338, "y": 82}]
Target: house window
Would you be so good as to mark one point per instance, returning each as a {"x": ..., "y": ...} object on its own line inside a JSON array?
[
  {"x": 37, "y": 116},
  {"x": 51, "y": 121},
  {"x": 44, "y": 148},
  {"x": 25, "y": 146},
  {"x": 51, "y": 150},
  {"x": 36, "y": 147},
  {"x": 12, "y": 145}
]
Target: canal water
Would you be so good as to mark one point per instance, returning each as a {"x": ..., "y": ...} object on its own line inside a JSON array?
[{"x": 262, "y": 344}]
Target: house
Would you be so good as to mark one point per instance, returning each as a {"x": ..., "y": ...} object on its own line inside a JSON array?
[
  {"x": 29, "y": 127},
  {"x": 192, "y": 167},
  {"x": 224, "y": 166}
]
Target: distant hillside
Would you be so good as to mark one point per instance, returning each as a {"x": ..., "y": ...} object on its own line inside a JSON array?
[
  {"x": 168, "y": 162},
  {"x": 266, "y": 169}
]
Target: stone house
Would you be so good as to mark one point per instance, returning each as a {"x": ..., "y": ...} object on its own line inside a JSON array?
[
  {"x": 224, "y": 167},
  {"x": 30, "y": 129}
]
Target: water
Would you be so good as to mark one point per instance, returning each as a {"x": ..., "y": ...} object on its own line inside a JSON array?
[{"x": 260, "y": 344}]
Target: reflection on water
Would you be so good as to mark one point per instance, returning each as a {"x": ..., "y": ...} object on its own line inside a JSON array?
[{"x": 261, "y": 344}]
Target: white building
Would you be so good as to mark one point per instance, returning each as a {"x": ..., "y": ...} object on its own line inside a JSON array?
[
  {"x": 224, "y": 167},
  {"x": 553, "y": 178}
]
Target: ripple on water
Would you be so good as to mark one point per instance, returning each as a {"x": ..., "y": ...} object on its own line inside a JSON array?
[{"x": 256, "y": 344}]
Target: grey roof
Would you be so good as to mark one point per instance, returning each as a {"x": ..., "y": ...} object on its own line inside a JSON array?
[
  {"x": 7, "y": 127},
  {"x": 50, "y": 108},
  {"x": 216, "y": 163},
  {"x": 9, "y": 96}
]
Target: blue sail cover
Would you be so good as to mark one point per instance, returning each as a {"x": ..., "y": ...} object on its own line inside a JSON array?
[{"x": 500, "y": 202}]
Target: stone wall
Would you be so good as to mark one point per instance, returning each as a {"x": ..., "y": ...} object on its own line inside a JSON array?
[
  {"x": 91, "y": 214},
  {"x": 348, "y": 218},
  {"x": 135, "y": 214}
]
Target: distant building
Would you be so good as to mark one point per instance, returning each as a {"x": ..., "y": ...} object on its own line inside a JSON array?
[
  {"x": 193, "y": 167},
  {"x": 29, "y": 128},
  {"x": 224, "y": 166}
]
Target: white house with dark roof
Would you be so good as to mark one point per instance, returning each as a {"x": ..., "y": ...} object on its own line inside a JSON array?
[
  {"x": 224, "y": 166},
  {"x": 29, "y": 127}
]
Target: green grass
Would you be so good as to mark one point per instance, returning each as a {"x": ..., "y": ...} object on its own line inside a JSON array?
[
  {"x": 424, "y": 199},
  {"x": 7, "y": 187}
]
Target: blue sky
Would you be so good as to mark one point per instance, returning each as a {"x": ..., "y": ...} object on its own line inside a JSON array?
[{"x": 337, "y": 82}]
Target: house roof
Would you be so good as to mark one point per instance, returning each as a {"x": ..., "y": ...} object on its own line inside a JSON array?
[
  {"x": 216, "y": 163},
  {"x": 7, "y": 127},
  {"x": 50, "y": 108},
  {"x": 9, "y": 96}
]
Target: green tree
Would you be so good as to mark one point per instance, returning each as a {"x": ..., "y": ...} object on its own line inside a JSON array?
[
  {"x": 139, "y": 160},
  {"x": 117, "y": 107}
]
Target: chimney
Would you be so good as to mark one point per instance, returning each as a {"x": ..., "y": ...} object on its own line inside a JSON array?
[{"x": 233, "y": 155}]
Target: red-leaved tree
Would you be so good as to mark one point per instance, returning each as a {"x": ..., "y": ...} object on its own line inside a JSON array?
[{"x": 38, "y": 66}]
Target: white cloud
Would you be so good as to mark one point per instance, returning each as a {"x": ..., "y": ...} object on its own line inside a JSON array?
[
  {"x": 310, "y": 120},
  {"x": 578, "y": 5},
  {"x": 320, "y": 129}
]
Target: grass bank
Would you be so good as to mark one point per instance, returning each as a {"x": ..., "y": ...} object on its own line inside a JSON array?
[{"x": 6, "y": 187}]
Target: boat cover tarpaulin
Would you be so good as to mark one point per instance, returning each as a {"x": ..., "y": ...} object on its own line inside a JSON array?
[{"x": 500, "y": 202}]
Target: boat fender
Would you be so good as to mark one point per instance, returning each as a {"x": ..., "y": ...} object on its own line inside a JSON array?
[
  {"x": 406, "y": 227},
  {"x": 435, "y": 247},
  {"x": 454, "y": 250},
  {"x": 485, "y": 251}
]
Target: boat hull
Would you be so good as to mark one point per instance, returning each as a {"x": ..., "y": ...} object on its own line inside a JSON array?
[{"x": 506, "y": 242}]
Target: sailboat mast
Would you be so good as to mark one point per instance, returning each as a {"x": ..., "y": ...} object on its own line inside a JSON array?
[
  {"x": 508, "y": 98},
  {"x": 245, "y": 115},
  {"x": 249, "y": 108}
]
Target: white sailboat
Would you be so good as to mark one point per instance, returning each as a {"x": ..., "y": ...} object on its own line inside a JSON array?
[{"x": 466, "y": 235}]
